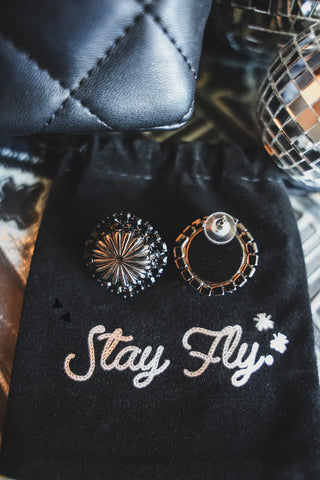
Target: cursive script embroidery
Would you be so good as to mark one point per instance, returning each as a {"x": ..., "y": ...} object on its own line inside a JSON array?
[
  {"x": 231, "y": 335},
  {"x": 127, "y": 358},
  {"x": 235, "y": 355}
]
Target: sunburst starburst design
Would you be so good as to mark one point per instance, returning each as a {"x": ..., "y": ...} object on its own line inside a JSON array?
[
  {"x": 122, "y": 257},
  {"x": 125, "y": 254}
]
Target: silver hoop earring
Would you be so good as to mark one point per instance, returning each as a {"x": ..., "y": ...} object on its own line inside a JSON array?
[{"x": 220, "y": 228}]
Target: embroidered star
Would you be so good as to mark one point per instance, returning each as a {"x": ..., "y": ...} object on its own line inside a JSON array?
[
  {"x": 264, "y": 321},
  {"x": 279, "y": 342}
]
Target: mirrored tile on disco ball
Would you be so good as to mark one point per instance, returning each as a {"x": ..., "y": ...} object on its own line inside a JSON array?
[
  {"x": 288, "y": 108},
  {"x": 262, "y": 26}
]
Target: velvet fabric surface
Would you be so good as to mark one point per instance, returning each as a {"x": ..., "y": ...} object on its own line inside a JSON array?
[{"x": 235, "y": 392}]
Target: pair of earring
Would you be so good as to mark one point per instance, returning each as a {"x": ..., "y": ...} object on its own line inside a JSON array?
[{"x": 126, "y": 254}]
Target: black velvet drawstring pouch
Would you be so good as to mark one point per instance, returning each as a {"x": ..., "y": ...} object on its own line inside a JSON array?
[{"x": 222, "y": 387}]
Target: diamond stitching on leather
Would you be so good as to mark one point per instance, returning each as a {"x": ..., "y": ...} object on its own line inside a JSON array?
[
  {"x": 72, "y": 93},
  {"x": 34, "y": 61},
  {"x": 158, "y": 21},
  {"x": 60, "y": 92}
]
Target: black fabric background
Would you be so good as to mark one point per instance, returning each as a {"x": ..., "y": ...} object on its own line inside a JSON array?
[{"x": 177, "y": 427}]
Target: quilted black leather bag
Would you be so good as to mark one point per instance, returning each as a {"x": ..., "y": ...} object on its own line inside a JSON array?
[{"x": 98, "y": 65}]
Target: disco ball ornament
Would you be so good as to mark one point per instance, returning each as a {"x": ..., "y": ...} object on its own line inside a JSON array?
[
  {"x": 288, "y": 108},
  {"x": 263, "y": 26}
]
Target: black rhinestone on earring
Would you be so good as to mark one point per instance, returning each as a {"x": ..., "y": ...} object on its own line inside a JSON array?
[{"x": 125, "y": 254}]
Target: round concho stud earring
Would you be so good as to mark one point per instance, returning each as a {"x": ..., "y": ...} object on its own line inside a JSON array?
[
  {"x": 125, "y": 254},
  {"x": 219, "y": 228}
]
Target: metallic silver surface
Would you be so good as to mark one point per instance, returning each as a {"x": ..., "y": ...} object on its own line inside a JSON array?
[
  {"x": 262, "y": 26},
  {"x": 288, "y": 108},
  {"x": 125, "y": 254},
  {"x": 246, "y": 270},
  {"x": 122, "y": 257}
]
